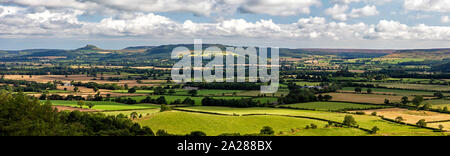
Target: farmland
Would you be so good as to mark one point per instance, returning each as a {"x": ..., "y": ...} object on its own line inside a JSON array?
[{"x": 319, "y": 93}]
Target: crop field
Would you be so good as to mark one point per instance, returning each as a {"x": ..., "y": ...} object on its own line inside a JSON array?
[
  {"x": 411, "y": 116},
  {"x": 365, "y": 121},
  {"x": 207, "y": 92},
  {"x": 439, "y": 103},
  {"x": 105, "y": 105},
  {"x": 332, "y": 106},
  {"x": 364, "y": 98}
]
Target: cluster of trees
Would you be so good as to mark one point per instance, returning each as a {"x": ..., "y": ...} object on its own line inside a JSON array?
[
  {"x": 21, "y": 115},
  {"x": 301, "y": 95},
  {"x": 241, "y": 103},
  {"x": 27, "y": 86},
  {"x": 94, "y": 85},
  {"x": 226, "y": 86}
]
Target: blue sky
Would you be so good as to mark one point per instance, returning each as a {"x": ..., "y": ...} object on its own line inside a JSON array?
[{"x": 110, "y": 24}]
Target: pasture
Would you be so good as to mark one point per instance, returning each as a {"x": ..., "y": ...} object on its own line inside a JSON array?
[{"x": 105, "y": 105}]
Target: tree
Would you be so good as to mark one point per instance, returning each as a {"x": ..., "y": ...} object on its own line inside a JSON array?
[
  {"x": 193, "y": 92},
  {"x": 161, "y": 100},
  {"x": 445, "y": 109},
  {"x": 369, "y": 91},
  {"x": 171, "y": 92},
  {"x": 374, "y": 114},
  {"x": 95, "y": 89},
  {"x": 165, "y": 108},
  {"x": 76, "y": 89},
  {"x": 417, "y": 101},
  {"x": 328, "y": 97},
  {"x": 421, "y": 123},
  {"x": 405, "y": 100},
  {"x": 266, "y": 130},
  {"x": 90, "y": 105},
  {"x": 132, "y": 90},
  {"x": 80, "y": 103},
  {"x": 134, "y": 115},
  {"x": 358, "y": 90},
  {"x": 349, "y": 121},
  {"x": 427, "y": 106},
  {"x": 197, "y": 133},
  {"x": 441, "y": 127},
  {"x": 439, "y": 95},
  {"x": 399, "y": 119},
  {"x": 374, "y": 130},
  {"x": 386, "y": 101}
]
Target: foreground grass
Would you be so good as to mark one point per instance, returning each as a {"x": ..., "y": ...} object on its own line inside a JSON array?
[
  {"x": 183, "y": 122},
  {"x": 333, "y": 106},
  {"x": 105, "y": 105}
]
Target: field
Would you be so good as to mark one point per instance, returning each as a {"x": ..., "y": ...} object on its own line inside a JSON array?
[
  {"x": 399, "y": 92},
  {"x": 332, "y": 106},
  {"x": 425, "y": 87},
  {"x": 365, "y": 121},
  {"x": 364, "y": 98},
  {"x": 183, "y": 123},
  {"x": 411, "y": 116},
  {"x": 105, "y": 105}
]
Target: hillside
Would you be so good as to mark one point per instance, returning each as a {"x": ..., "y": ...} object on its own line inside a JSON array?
[{"x": 428, "y": 54}]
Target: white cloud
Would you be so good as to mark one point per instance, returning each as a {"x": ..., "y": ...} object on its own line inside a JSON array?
[
  {"x": 338, "y": 12},
  {"x": 369, "y": 10},
  {"x": 445, "y": 19},
  {"x": 427, "y": 5}
]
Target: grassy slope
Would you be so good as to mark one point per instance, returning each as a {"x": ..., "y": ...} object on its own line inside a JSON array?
[
  {"x": 183, "y": 122},
  {"x": 365, "y": 121}
]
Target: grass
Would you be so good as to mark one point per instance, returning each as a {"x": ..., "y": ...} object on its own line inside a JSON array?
[
  {"x": 332, "y": 106},
  {"x": 105, "y": 105},
  {"x": 365, "y": 98},
  {"x": 365, "y": 121},
  {"x": 182, "y": 123}
]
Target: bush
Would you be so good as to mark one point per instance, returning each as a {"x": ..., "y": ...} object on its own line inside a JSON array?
[{"x": 266, "y": 130}]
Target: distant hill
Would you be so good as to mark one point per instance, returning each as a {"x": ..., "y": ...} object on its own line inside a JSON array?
[
  {"x": 428, "y": 54},
  {"x": 164, "y": 51},
  {"x": 89, "y": 47}
]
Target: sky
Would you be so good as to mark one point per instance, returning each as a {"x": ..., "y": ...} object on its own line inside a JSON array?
[{"x": 116, "y": 24}]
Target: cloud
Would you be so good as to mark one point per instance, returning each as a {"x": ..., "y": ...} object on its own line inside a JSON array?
[
  {"x": 197, "y": 7},
  {"x": 445, "y": 19},
  {"x": 339, "y": 12},
  {"x": 368, "y": 10},
  {"x": 427, "y": 5},
  {"x": 279, "y": 8}
]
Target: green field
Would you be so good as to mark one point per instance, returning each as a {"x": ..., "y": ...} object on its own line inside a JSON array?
[
  {"x": 105, "y": 105},
  {"x": 395, "y": 91},
  {"x": 143, "y": 112},
  {"x": 333, "y": 106},
  {"x": 365, "y": 121},
  {"x": 182, "y": 123},
  {"x": 425, "y": 87}
]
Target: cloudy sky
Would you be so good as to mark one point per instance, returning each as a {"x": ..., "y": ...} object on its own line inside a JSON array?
[{"x": 115, "y": 24}]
